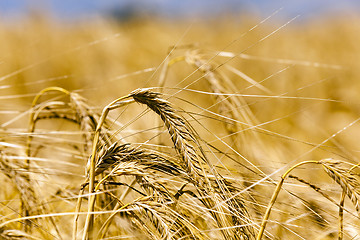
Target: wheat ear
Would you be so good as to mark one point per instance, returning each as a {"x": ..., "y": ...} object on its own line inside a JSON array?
[
  {"x": 116, "y": 153},
  {"x": 345, "y": 178},
  {"x": 179, "y": 131}
]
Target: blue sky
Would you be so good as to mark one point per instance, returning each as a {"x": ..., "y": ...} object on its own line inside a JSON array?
[{"x": 75, "y": 9}]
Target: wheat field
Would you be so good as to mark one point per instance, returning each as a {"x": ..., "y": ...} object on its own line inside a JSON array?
[{"x": 229, "y": 129}]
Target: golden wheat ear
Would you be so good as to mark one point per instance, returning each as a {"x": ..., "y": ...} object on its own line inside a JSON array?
[
  {"x": 116, "y": 154},
  {"x": 347, "y": 180},
  {"x": 179, "y": 131}
]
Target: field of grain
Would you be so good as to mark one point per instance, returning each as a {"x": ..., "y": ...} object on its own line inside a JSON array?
[{"x": 230, "y": 129}]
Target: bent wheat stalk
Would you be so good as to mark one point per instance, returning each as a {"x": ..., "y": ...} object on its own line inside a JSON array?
[
  {"x": 343, "y": 177},
  {"x": 88, "y": 234},
  {"x": 31, "y": 128},
  {"x": 274, "y": 197},
  {"x": 32, "y": 117}
]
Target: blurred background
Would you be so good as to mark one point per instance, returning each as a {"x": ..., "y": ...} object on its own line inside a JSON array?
[{"x": 126, "y": 9}]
